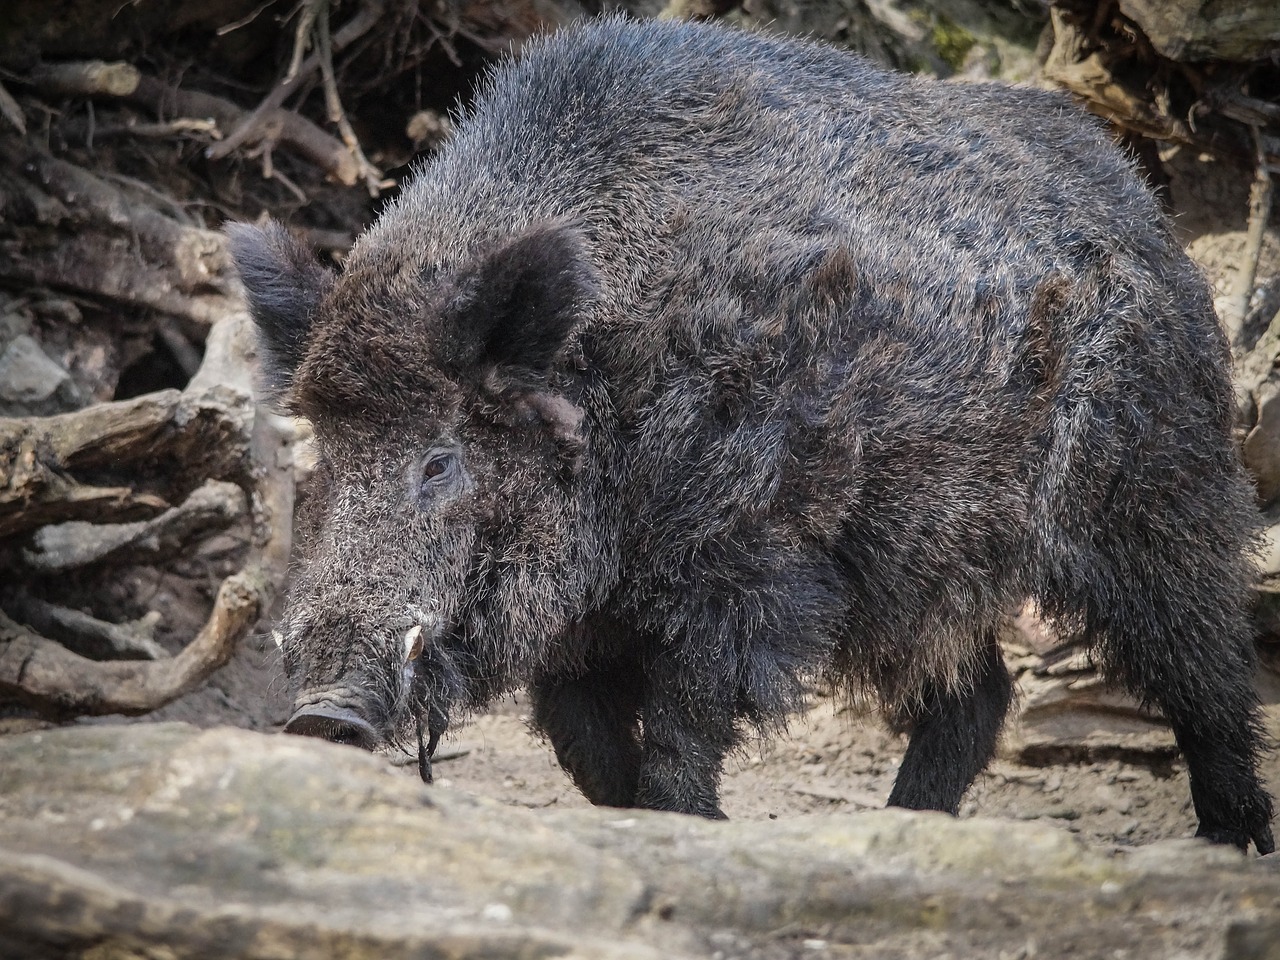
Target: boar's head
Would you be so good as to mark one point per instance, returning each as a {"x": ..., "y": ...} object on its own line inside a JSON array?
[{"x": 442, "y": 539}]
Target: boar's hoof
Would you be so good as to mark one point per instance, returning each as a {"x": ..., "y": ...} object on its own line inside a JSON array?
[{"x": 337, "y": 724}]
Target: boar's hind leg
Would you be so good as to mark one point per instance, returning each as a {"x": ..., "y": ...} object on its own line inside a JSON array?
[
  {"x": 1161, "y": 590},
  {"x": 592, "y": 722},
  {"x": 953, "y": 737},
  {"x": 1191, "y": 655}
]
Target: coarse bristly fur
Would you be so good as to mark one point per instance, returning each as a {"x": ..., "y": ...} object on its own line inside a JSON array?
[{"x": 699, "y": 364}]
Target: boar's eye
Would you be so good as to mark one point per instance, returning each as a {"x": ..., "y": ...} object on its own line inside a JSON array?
[
  {"x": 437, "y": 466},
  {"x": 438, "y": 473}
]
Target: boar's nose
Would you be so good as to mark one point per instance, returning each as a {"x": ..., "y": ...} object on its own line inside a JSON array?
[{"x": 334, "y": 723}]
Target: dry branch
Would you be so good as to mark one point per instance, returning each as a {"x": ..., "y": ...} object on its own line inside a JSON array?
[
  {"x": 11, "y": 111},
  {"x": 58, "y": 684},
  {"x": 68, "y": 546},
  {"x": 123, "y": 81},
  {"x": 257, "y": 125},
  {"x": 85, "y": 634},
  {"x": 286, "y": 127},
  {"x": 88, "y": 78}
]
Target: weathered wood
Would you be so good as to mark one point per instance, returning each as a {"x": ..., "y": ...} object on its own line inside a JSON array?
[
  {"x": 208, "y": 433},
  {"x": 85, "y": 634},
  {"x": 57, "y": 683},
  {"x": 68, "y": 546},
  {"x": 47, "y": 463}
]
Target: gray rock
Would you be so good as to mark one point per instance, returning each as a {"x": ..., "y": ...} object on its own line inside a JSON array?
[
  {"x": 163, "y": 840},
  {"x": 1189, "y": 30},
  {"x": 27, "y": 376}
]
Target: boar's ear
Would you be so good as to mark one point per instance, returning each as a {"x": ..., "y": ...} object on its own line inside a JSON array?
[
  {"x": 284, "y": 285},
  {"x": 520, "y": 301}
]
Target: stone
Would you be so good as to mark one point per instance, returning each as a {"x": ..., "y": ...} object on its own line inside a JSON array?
[
  {"x": 155, "y": 840},
  {"x": 1261, "y": 450},
  {"x": 27, "y": 375},
  {"x": 1188, "y": 30}
]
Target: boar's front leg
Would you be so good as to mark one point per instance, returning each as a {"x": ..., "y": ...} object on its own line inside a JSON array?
[
  {"x": 953, "y": 737},
  {"x": 690, "y": 723},
  {"x": 592, "y": 721}
]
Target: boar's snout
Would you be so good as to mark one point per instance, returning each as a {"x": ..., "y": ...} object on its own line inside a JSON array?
[{"x": 334, "y": 723}]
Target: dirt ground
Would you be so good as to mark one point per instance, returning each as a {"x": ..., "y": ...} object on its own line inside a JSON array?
[{"x": 833, "y": 760}]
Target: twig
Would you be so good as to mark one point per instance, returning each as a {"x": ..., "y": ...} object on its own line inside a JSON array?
[
  {"x": 182, "y": 126},
  {"x": 1237, "y": 309},
  {"x": 86, "y": 78},
  {"x": 243, "y": 21},
  {"x": 292, "y": 129},
  {"x": 250, "y": 126},
  {"x": 123, "y": 81},
  {"x": 371, "y": 174},
  {"x": 307, "y": 16},
  {"x": 11, "y": 111},
  {"x": 289, "y": 185}
]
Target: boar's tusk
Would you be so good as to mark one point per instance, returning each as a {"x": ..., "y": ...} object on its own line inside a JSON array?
[
  {"x": 413, "y": 643},
  {"x": 278, "y": 637}
]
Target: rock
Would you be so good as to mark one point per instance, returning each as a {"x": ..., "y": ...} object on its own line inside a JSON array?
[
  {"x": 1261, "y": 451},
  {"x": 31, "y": 383},
  {"x": 970, "y": 38},
  {"x": 1268, "y": 557},
  {"x": 1068, "y": 714},
  {"x": 163, "y": 840},
  {"x": 1188, "y": 30}
]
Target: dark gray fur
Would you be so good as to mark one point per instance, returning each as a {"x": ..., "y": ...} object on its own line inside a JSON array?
[{"x": 701, "y": 364}]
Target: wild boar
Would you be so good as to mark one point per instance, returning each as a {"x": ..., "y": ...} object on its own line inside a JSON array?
[{"x": 700, "y": 364}]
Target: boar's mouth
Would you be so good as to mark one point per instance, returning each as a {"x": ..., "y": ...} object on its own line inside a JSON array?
[{"x": 333, "y": 716}]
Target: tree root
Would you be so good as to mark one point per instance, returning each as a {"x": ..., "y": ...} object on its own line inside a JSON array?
[
  {"x": 209, "y": 437},
  {"x": 68, "y": 546},
  {"x": 59, "y": 684},
  {"x": 87, "y": 635}
]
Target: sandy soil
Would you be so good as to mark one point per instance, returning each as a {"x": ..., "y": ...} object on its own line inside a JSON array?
[{"x": 833, "y": 760}]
